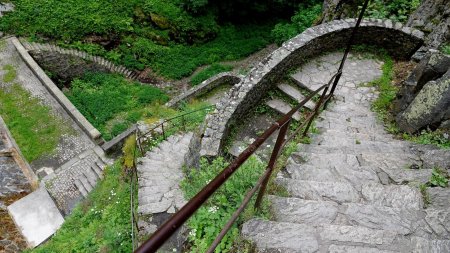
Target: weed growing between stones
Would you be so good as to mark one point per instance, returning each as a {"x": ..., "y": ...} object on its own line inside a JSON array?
[
  {"x": 34, "y": 127},
  {"x": 439, "y": 178},
  {"x": 446, "y": 49}
]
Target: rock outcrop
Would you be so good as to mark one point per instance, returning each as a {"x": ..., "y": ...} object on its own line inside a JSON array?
[
  {"x": 432, "y": 17},
  {"x": 424, "y": 99}
]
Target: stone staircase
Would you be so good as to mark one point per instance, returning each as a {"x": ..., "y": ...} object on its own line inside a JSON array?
[
  {"x": 76, "y": 178},
  {"x": 353, "y": 189},
  {"x": 87, "y": 180},
  {"x": 294, "y": 94},
  {"x": 33, "y": 46},
  {"x": 159, "y": 174}
]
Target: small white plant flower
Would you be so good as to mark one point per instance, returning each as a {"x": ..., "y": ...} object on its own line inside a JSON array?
[
  {"x": 193, "y": 232},
  {"x": 213, "y": 209}
]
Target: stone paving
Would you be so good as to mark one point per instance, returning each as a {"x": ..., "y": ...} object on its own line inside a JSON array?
[
  {"x": 159, "y": 175},
  {"x": 353, "y": 189},
  {"x": 72, "y": 143}
]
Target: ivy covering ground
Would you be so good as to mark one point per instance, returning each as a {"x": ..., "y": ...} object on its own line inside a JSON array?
[{"x": 111, "y": 103}]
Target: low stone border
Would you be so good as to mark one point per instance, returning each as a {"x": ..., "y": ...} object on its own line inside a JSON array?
[
  {"x": 33, "y": 46},
  {"x": 12, "y": 149},
  {"x": 206, "y": 86},
  {"x": 114, "y": 146},
  {"x": 401, "y": 42},
  {"x": 87, "y": 127}
]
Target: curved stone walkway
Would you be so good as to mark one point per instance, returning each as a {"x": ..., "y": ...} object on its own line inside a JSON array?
[{"x": 352, "y": 189}]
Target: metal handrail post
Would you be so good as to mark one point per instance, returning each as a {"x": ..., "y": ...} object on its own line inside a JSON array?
[
  {"x": 273, "y": 159},
  {"x": 347, "y": 49}
]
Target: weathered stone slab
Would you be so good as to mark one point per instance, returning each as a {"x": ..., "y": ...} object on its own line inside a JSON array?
[
  {"x": 295, "y": 94},
  {"x": 398, "y": 196},
  {"x": 37, "y": 216},
  {"x": 313, "y": 190},
  {"x": 279, "y": 235},
  {"x": 282, "y": 107},
  {"x": 311, "y": 212}
]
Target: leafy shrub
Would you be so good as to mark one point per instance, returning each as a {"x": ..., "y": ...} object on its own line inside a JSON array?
[
  {"x": 210, "y": 219},
  {"x": 446, "y": 49},
  {"x": 209, "y": 72},
  {"x": 100, "y": 97},
  {"x": 33, "y": 125},
  {"x": 439, "y": 178},
  {"x": 397, "y": 10},
  {"x": 70, "y": 20},
  {"x": 302, "y": 20}
]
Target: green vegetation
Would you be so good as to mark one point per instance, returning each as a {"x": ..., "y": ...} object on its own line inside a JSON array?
[
  {"x": 105, "y": 98},
  {"x": 383, "y": 104},
  {"x": 439, "y": 178},
  {"x": 32, "y": 124},
  {"x": 101, "y": 223},
  {"x": 209, "y": 72},
  {"x": 446, "y": 48},
  {"x": 303, "y": 19},
  {"x": 396, "y": 10},
  {"x": 208, "y": 221},
  {"x": 10, "y": 75}
]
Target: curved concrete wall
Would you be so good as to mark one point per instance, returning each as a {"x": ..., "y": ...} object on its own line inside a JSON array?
[{"x": 401, "y": 42}]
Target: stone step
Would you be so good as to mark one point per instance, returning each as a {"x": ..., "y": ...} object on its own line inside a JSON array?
[
  {"x": 380, "y": 148},
  {"x": 91, "y": 176},
  {"x": 282, "y": 107},
  {"x": 270, "y": 236},
  {"x": 97, "y": 170},
  {"x": 84, "y": 181},
  {"x": 400, "y": 161},
  {"x": 329, "y": 141},
  {"x": 439, "y": 198},
  {"x": 81, "y": 188},
  {"x": 399, "y": 220},
  {"x": 314, "y": 190},
  {"x": 353, "y": 134},
  {"x": 295, "y": 94},
  {"x": 397, "y": 196},
  {"x": 356, "y": 176},
  {"x": 309, "y": 86}
]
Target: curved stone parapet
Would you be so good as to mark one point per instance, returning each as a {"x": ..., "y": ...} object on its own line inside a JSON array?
[
  {"x": 400, "y": 41},
  {"x": 111, "y": 67},
  {"x": 206, "y": 86}
]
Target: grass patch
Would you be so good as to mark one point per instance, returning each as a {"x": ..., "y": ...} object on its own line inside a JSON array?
[
  {"x": 104, "y": 97},
  {"x": 101, "y": 223},
  {"x": 445, "y": 49},
  {"x": 210, "y": 218},
  {"x": 10, "y": 75},
  {"x": 36, "y": 130},
  {"x": 383, "y": 105},
  {"x": 209, "y": 72}
]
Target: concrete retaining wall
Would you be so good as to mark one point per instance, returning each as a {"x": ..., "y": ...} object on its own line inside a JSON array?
[
  {"x": 401, "y": 42},
  {"x": 206, "y": 86},
  {"x": 81, "y": 121}
]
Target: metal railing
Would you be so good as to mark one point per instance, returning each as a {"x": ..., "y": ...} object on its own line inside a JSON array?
[
  {"x": 179, "y": 218},
  {"x": 139, "y": 146}
]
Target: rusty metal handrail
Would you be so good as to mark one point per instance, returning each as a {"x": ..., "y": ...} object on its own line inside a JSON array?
[
  {"x": 161, "y": 124},
  {"x": 180, "y": 217}
]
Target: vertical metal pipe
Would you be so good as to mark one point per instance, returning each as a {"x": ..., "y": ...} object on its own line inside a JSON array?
[
  {"x": 164, "y": 133},
  {"x": 349, "y": 46},
  {"x": 272, "y": 162}
]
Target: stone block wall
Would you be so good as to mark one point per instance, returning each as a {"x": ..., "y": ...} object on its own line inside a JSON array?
[{"x": 401, "y": 42}]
